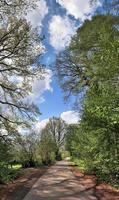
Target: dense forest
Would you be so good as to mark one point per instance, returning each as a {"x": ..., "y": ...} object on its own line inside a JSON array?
[{"x": 88, "y": 66}]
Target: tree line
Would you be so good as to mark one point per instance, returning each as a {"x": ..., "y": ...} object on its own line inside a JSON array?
[
  {"x": 20, "y": 50},
  {"x": 90, "y": 65},
  {"x": 33, "y": 148}
]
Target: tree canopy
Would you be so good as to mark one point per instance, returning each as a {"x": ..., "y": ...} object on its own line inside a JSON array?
[
  {"x": 55, "y": 130},
  {"x": 20, "y": 46},
  {"x": 91, "y": 64}
]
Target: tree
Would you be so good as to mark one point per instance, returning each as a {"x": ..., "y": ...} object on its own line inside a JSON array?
[
  {"x": 47, "y": 146},
  {"x": 15, "y": 7},
  {"x": 73, "y": 140},
  {"x": 20, "y": 46},
  {"x": 57, "y": 128},
  {"x": 24, "y": 149},
  {"x": 92, "y": 52},
  {"x": 90, "y": 64},
  {"x": 5, "y": 158}
]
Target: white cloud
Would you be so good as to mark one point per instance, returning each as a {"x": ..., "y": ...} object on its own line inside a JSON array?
[
  {"x": 70, "y": 117},
  {"x": 80, "y": 9},
  {"x": 36, "y": 16},
  {"x": 41, "y": 125},
  {"x": 40, "y": 86},
  {"x": 61, "y": 29}
]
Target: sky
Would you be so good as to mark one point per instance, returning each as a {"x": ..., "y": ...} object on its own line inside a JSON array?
[{"x": 57, "y": 21}]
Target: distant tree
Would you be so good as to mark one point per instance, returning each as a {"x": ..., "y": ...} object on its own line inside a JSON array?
[
  {"x": 57, "y": 128},
  {"x": 24, "y": 150},
  {"x": 47, "y": 146}
]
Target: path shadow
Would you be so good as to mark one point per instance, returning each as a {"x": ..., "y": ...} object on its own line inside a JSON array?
[
  {"x": 19, "y": 189},
  {"x": 55, "y": 186}
]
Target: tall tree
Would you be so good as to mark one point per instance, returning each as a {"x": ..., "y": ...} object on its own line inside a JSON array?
[
  {"x": 90, "y": 63},
  {"x": 47, "y": 146},
  {"x": 25, "y": 149},
  {"x": 92, "y": 52},
  {"x": 20, "y": 46},
  {"x": 57, "y": 128}
]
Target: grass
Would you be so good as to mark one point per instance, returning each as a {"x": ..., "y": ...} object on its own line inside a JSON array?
[
  {"x": 10, "y": 173},
  {"x": 92, "y": 168},
  {"x": 17, "y": 166},
  {"x": 81, "y": 164}
]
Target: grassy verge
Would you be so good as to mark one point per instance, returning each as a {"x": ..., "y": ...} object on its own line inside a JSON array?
[
  {"x": 111, "y": 178},
  {"x": 8, "y": 173},
  {"x": 17, "y": 166}
]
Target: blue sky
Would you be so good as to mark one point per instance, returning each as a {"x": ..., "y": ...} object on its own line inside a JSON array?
[{"x": 57, "y": 20}]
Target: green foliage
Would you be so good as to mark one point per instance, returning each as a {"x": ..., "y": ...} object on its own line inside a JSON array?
[
  {"x": 7, "y": 173},
  {"x": 5, "y": 157},
  {"x": 26, "y": 150},
  {"x": 52, "y": 140},
  {"x": 20, "y": 45},
  {"x": 65, "y": 154},
  {"x": 47, "y": 147},
  {"x": 91, "y": 64}
]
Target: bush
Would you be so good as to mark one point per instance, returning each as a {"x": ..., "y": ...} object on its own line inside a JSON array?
[{"x": 8, "y": 174}]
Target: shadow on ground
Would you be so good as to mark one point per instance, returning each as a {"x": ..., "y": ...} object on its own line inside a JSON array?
[
  {"x": 19, "y": 188},
  {"x": 59, "y": 183}
]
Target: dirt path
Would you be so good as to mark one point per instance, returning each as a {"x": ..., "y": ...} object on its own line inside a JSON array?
[{"x": 60, "y": 183}]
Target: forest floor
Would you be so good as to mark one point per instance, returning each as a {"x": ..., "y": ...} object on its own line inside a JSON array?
[{"x": 61, "y": 181}]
